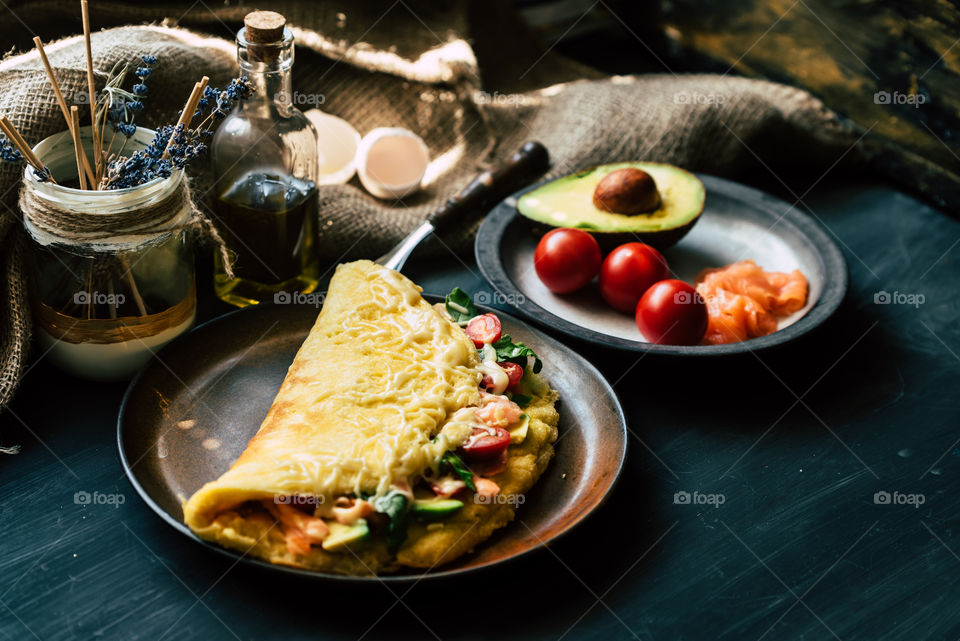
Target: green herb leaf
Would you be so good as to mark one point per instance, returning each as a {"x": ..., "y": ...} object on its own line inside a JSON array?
[
  {"x": 395, "y": 505},
  {"x": 520, "y": 399},
  {"x": 517, "y": 353},
  {"x": 459, "y": 468},
  {"x": 460, "y": 307}
]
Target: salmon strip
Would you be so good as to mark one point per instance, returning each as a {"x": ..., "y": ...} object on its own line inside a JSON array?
[
  {"x": 733, "y": 318},
  {"x": 744, "y": 301},
  {"x": 299, "y": 530}
]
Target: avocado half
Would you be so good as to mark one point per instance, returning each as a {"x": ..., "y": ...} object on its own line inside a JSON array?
[{"x": 568, "y": 202}]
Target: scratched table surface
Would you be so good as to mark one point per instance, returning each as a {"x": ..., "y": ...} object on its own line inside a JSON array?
[{"x": 782, "y": 455}]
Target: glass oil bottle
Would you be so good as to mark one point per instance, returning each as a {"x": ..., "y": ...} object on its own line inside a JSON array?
[{"x": 265, "y": 162}]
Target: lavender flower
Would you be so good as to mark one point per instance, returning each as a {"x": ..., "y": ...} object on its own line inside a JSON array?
[
  {"x": 9, "y": 153},
  {"x": 138, "y": 169},
  {"x": 182, "y": 146},
  {"x": 121, "y": 105}
]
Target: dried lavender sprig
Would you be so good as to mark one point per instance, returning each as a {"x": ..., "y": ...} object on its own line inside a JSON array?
[
  {"x": 16, "y": 149},
  {"x": 122, "y": 106},
  {"x": 9, "y": 153},
  {"x": 182, "y": 145}
]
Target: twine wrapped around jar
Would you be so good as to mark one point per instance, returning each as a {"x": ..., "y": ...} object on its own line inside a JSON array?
[{"x": 42, "y": 218}]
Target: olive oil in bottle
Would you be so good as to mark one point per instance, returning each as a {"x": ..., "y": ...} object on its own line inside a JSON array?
[
  {"x": 269, "y": 222},
  {"x": 265, "y": 163}
]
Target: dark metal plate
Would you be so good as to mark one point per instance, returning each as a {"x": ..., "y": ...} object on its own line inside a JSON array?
[
  {"x": 737, "y": 223},
  {"x": 190, "y": 413}
]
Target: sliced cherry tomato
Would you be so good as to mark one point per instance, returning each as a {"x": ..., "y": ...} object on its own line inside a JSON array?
[
  {"x": 671, "y": 312},
  {"x": 486, "y": 443},
  {"x": 567, "y": 259},
  {"x": 514, "y": 371},
  {"x": 483, "y": 329},
  {"x": 627, "y": 272}
]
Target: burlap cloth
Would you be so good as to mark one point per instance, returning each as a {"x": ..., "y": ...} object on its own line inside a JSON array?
[{"x": 413, "y": 66}]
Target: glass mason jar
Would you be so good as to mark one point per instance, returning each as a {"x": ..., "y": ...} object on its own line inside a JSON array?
[
  {"x": 103, "y": 306},
  {"x": 265, "y": 164}
]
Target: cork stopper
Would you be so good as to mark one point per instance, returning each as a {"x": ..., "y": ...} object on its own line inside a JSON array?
[{"x": 264, "y": 27}]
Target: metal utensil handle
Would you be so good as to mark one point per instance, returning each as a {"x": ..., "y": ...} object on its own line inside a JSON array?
[
  {"x": 396, "y": 257},
  {"x": 492, "y": 186}
]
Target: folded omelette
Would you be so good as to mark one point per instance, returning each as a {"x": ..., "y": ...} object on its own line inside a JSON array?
[{"x": 385, "y": 445}]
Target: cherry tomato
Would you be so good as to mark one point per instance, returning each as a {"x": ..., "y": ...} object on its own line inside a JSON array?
[
  {"x": 483, "y": 329},
  {"x": 627, "y": 272},
  {"x": 671, "y": 312},
  {"x": 514, "y": 371},
  {"x": 567, "y": 259},
  {"x": 486, "y": 443}
]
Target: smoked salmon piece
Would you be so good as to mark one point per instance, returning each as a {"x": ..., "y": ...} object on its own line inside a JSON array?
[{"x": 744, "y": 301}]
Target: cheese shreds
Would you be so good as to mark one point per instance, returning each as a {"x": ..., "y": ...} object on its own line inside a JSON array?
[{"x": 380, "y": 389}]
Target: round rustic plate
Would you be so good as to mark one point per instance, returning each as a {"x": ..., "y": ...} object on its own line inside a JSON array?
[
  {"x": 190, "y": 413},
  {"x": 737, "y": 223}
]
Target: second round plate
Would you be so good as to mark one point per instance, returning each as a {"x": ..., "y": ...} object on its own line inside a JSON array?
[{"x": 737, "y": 223}]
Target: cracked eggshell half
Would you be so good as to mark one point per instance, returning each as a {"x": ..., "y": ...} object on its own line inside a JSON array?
[
  {"x": 391, "y": 162},
  {"x": 337, "y": 144}
]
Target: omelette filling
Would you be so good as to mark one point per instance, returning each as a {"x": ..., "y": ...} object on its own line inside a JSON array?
[{"x": 487, "y": 430}]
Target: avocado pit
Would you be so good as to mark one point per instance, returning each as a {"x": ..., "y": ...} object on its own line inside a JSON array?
[{"x": 629, "y": 191}]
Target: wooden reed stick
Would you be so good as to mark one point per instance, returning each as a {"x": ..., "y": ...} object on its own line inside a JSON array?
[
  {"x": 137, "y": 298},
  {"x": 188, "y": 110},
  {"x": 90, "y": 292},
  {"x": 14, "y": 136},
  {"x": 91, "y": 86},
  {"x": 112, "y": 308},
  {"x": 77, "y": 149},
  {"x": 63, "y": 103}
]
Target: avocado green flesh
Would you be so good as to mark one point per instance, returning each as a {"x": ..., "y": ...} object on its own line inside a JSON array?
[
  {"x": 435, "y": 509},
  {"x": 342, "y": 535},
  {"x": 568, "y": 201},
  {"x": 518, "y": 433}
]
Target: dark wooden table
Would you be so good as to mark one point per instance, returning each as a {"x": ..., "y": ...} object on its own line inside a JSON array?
[{"x": 797, "y": 444}]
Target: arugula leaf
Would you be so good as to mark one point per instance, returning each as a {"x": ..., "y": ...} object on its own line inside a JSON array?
[
  {"x": 517, "y": 353},
  {"x": 395, "y": 505},
  {"x": 460, "y": 307},
  {"x": 459, "y": 468}
]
